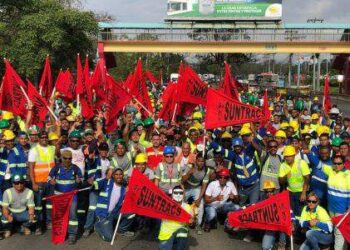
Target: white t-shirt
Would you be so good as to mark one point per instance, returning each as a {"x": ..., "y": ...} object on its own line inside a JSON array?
[
  {"x": 33, "y": 153},
  {"x": 214, "y": 189},
  {"x": 105, "y": 164},
  {"x": 114, "y": 197},
  {"x": 78, "y": 158}
]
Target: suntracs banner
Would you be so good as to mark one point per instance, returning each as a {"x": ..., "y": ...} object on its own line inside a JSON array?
[{"x": 225, "y": 9}]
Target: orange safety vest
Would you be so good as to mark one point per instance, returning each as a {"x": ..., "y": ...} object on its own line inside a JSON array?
[
  {"x": 43, "y": 163},
  {"x": 191, "y": 158}
]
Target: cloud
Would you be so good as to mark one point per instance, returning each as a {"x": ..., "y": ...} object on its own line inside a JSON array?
[{"x": 335, "y": 11}]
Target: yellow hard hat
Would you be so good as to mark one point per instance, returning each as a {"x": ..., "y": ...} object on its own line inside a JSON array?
[
  {"x": 198, "y": 126},
  {"x": 294, "y": 124},
  {"x": 323, "y": 130},
  {"x": 197, "y": 115},
  {"x": 315, "y": 98},
  {"x": 289, "y": 151},
  {"x": 7, "y": 115},
  {"x": 141, "y": 158},
  {"x": 269, "y": 185},
  {"x": 281, "y": 133},
  {"x": 8, "y": 135},
  {"x": 245, "y": 131},
  {"x": 193, "y": 128},
  {"x": 226, "y": 135},
  {"x": 246, "y": 125},
  {"x": 70, "y": 118},
  {"x": 315, "y": 116},
  {"x": 305, "y": 130},
  {"x": 271, "y": 108},
  {"x": 284, "y": 125},
  {"x": 53, "y": 136}
]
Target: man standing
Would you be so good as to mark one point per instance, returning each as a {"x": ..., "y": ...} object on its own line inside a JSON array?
[{"x": 154, "y": 153}]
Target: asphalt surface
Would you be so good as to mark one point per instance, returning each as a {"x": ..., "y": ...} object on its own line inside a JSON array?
[{"x": 343, "y": 104}]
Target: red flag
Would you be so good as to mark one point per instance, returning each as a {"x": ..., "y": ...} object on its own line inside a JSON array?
[
  {"x": 229, "y": 86},
  {"x": 80, "y": 86},
  {"x": 266, "y": 110},
  {"x": 138, "y": 89},
  {"x": 344, "y": 227},
  {"x": 327, "y": 103},
  {"x": 191, "y": 87},
  {"x": 169, "y": 102},
  {"x": 60, "y": 214},
  {"x": 45, "y": 84},
  {"x": 65, "y": 84},
  {"x": 117, "y": 99},
  {"x": 223, "y": 111},
  {"x": 86, "y": 69},
  {"x": 98, "y": 80},
  {"x": 40, "y": 105},
  {"x": 12, "y": 97},
  {"x": 151, "y": 77},
  {"x": 146, "y": 199},
  {"x": 271, "y": 214}
]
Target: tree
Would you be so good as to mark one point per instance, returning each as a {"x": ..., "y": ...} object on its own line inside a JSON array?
[{"x": 35, "y": 28}]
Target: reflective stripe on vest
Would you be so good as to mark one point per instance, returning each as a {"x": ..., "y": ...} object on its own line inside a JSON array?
[
  {"x": 166, "y": 180},
  {"x": 265, "y": 170},
  {"x": 43, "y": 163}
]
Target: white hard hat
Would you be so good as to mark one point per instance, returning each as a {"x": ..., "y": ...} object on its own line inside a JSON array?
[{"x": 334, "y": 111}]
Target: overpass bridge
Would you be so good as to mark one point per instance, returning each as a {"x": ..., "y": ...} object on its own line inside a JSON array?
[{"x": 224, "y": 38}]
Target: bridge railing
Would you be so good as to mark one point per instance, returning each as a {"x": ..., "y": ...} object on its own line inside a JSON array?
[{"x": 253, "y": 35}]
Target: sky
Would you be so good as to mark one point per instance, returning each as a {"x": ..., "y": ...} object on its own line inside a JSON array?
[{"x": 296, "y": 11}]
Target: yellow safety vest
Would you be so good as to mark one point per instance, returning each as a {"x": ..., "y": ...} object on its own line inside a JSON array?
[{"x": 44, "y": 162}]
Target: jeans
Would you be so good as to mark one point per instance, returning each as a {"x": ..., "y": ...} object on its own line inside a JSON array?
[
  {"x": 168, "y": 244},
  {"x": 73, "y": 219},
  {"x": 270, "y": 237},
  {"x": 193, "y": 193},
  {"x": 314, "y": 237},
  {"x": 211, "y": 212},
  {"x": 83, "y": 203},
  {"x": 105, "y": 226},
  {"x": 17, "y": 217},
  {"x": 44, "y": 190},
  {"x": 253, "y": 193},
  {"x": 295, "y": 203},
  {"x": 90, "y": 218}
]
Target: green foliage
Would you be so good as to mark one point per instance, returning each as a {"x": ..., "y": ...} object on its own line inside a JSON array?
[{"x": 33, "y": 29}]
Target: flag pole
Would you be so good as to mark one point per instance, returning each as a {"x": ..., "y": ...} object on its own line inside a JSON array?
[
  {"x": 142, "y": 106},
  {"x": 342, "y": 220},
  {"x": 78, "y": 103},
  {"x": 25, "y": 94},
  {"x": 174, "y": 114},
  {"x": 204, "y": 143},
  {"x": 116, "y": 228},
  {"x": 53, "y": 92},
  {"x": 52, "y": 113},
  {"x": 291, "y": 242},
  {"x": 80, "y": 190}
]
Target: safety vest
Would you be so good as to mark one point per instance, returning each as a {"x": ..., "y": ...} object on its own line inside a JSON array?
[
  {"x": 10, "y": 200},
  {"x": 153, "y": 158},
  {"x": 116, "y": 165},
  {"x": 246, "y": 170},
  {"x": 164, "y": 178},
  {"x": 17, "y": 161},
  {"x": 168, "y": 227},
  {"x": 324, "y": 221},
  {"x": 43, "y": 163},
  {"x": 295, "y": 177}
]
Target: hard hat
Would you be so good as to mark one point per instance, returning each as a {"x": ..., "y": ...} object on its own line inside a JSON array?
[
  {"x": 169, "y": 150},
  {"x": 315, "y": 116},
  {"x": 246, "y": 125},
  {"x": 197, "y": 115},
  {"x": 70, "y": 118},
  {"x": 18, "y": 177},
  {"x": 148, "y": 122},
  {"x": 323, "y": 130},
  {"x": 198, "y": 125},
  {"x": 281, "y": 133},
  {"x": 245, "y": 131},
  {"x": 224, "y": 172},
  {"x": 119, "y": 141},
  {"x": 33, "y": 130},
  {"x": 139, "y": 123},
  {"x": 4, "y": 124},
  {"x": 269, "y": 185},
  {"x": 305, "y": 130},
  {"x": 226, "y": 135},
  {"x": 299, "y": 105},
  {"x": 88, "y": 131},
  {"x": 8, "y": 135},
  {"x": 315, "y": 98},
  {"x": 284, "y": 125},
  {"x": 334, "y": 111},
  {"x": 336, "y": 141},
  {"x": 141, "y": 158},
  {"x": 7, "y": 115},
  {"x": 294, "y": 124},
  {"x": 75, "y": 134},
  {"x": 237, "y": 142},
  {"x": 53, "y": 136},
  {"x": 289, "y": 151},
  {"x": 192, "y": 128}
]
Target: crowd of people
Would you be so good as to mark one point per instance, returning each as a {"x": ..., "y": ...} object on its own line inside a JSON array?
[{"x": 209, "y": 172}]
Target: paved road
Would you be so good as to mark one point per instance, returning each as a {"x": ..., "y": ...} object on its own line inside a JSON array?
[
  {"x": 216, "y": 239},
  {"x": 343, "y": 104}
]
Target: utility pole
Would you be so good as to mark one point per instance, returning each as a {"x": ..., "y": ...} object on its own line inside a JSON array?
[
  {"x": 314, "y": 73},
  {"x": 318, "y": 72},
  {"x": 290, "y": 70}
]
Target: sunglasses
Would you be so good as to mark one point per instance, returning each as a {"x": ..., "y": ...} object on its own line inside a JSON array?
[
  {"x": 273, "y": 146},
  {"x": 311, "y": 202},
  {"x": 18, "y": 183},
  {"x": 338, "y": 163},
  {"x": 67, "y": 159},
  {"x": 178, "y": 192},
  {"x": 269, "y": 191},
  {"x": 74, "y": 140},
  {"x": 169, "y": 156}
]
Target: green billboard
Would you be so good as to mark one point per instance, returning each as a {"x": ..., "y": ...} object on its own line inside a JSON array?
[{"x": 225, "y": 9}]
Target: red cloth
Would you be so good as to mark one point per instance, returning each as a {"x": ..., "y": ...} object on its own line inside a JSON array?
[
  {"x": 223, "y": 111},
  {"x": 153, "y": 158},
  {"x": 60, "y": 214},
  {"x": 271, "y": 214},
  {"x": 229, "y": 86},
  {"x": 40, "y": 105},
  {"x": 46, "y": 80},
  {"x": 169, "y": 102},
  {"x": 344, "y": 227},
  {"x": 151, "y": 77},
  {"x": 347, "y": 164},
  {"x": 327, "y": 103},
  {"x": 145, "y": 198}
]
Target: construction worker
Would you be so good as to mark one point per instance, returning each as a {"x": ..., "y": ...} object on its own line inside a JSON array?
[
  {"x": 269, "y": 238},
  {"x": 185, "y": 156},
  {"x": 65, "y": 178},
  {"x": 121, "y": 158},
  {"x": 316, "y": 222},
  {"x": 281, "y": 138},
  {"x": 173, "y": 232},
  {"x": 18, "y": 206},
  {"x": 110, "y": 199},
  {"x": 338, "y": 184},
  {"x": 155, "y": 152},
  {"x": 141, "y": 165},
  {"x": 295, "y": 174},
  {"x": 219, "y": 197},
  {"x": 41, "y": 160},
  {"x": 195, "y": 180},
  {"x": 168, "y": 173}
]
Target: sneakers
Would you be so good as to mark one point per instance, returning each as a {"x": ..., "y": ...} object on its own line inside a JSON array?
[
  {"x": 248, "y": 238},
  {"x": 25, "y": 230},
  {"x": 7, "y": 234},
  {"x": 199, "y": 230},
  {"x": 49, "y": 226},
  {"x": 2, "y": 236},
  {"x": 127, "y": 234},
  {"x": 72, "y": 240},
  {"x": 38, "y": 231},
  {"x": 86, "y": 233},
  {"x": 207, "y": 227}
]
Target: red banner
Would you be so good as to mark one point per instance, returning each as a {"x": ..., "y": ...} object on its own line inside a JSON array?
[
  {"x": 327, "y": 103},
  {"x": 229, "y": 86},
  {"x": 191, "y": 87},
  {"x": 169, "y": 102},
  {"x": 40, "y": 105},
  {"x": 45, "y": 84},
  {"x": 151, "y": 77},
  {"x": 271, "y": 214},
  {"x": 223, "y": 111},
  {"x": 344, "y": 227},
  {"x": 65, "y": 85},
  {"x": 144, "y": 198},
  {"x": 60, "y": 214}
]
